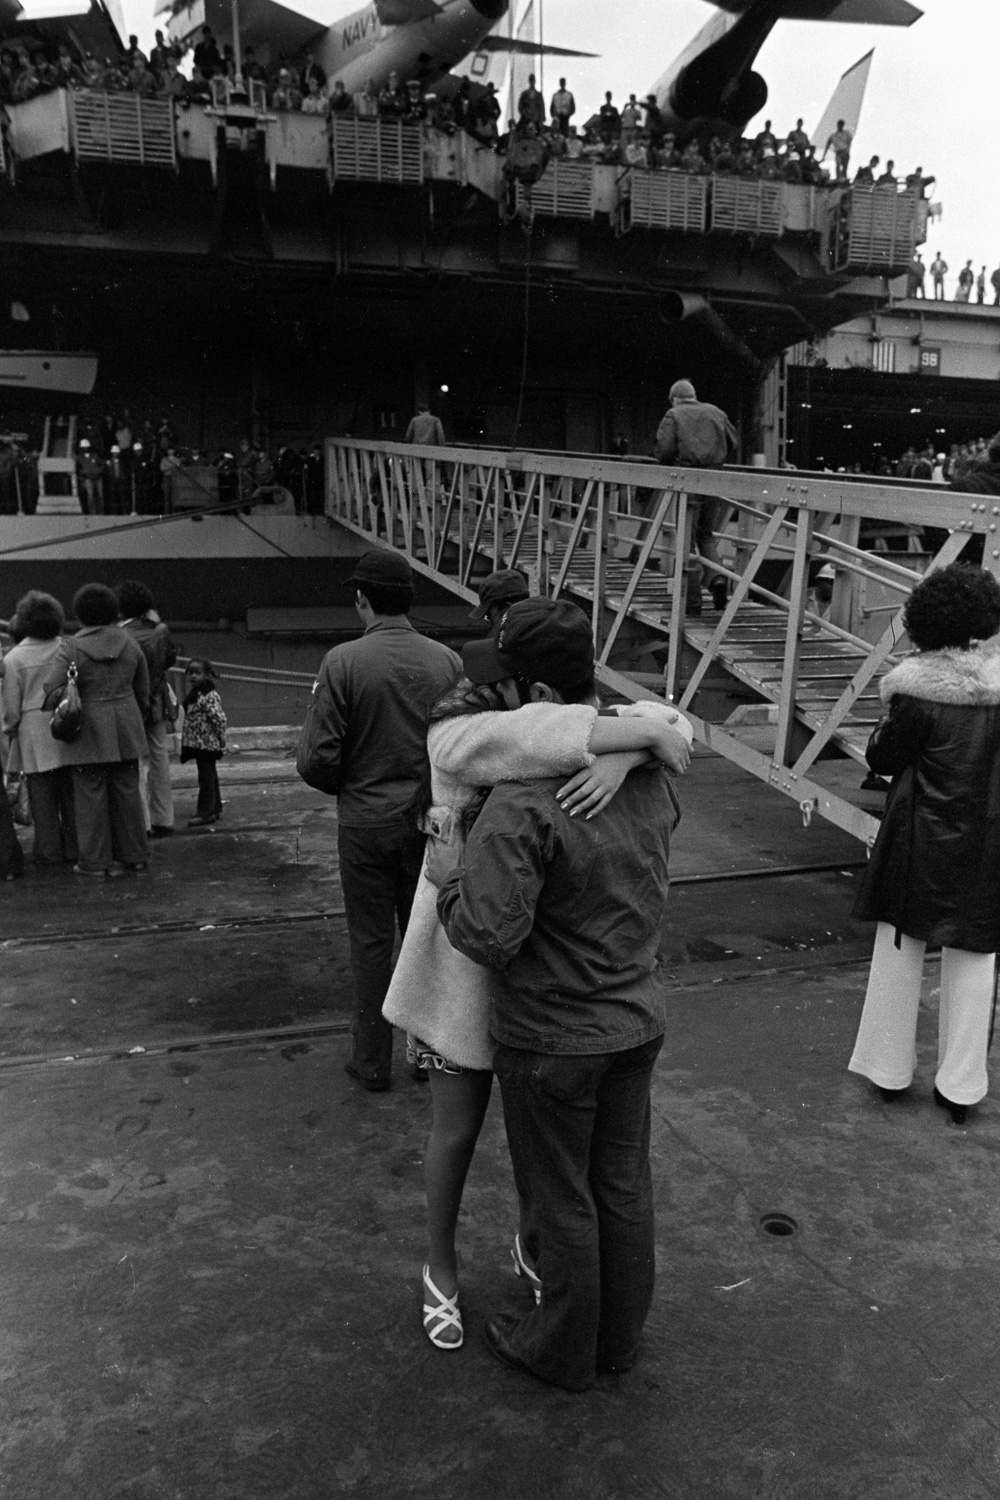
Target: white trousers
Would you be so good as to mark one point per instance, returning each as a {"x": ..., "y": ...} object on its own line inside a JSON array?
[
  {"x": 154, "y": 778},
  {"x": 885, "y": 1050}
]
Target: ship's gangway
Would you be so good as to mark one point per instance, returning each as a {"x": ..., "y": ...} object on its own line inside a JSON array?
[{"x": 616, "y": 536}]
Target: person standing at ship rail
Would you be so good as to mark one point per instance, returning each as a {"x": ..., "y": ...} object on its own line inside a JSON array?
[{"x": 365, "y": 742}]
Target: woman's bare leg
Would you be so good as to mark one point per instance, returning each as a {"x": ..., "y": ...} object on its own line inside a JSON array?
[{"x": 459, "y": 1102}]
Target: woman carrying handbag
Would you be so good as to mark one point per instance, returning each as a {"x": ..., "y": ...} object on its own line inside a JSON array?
[{"x": 113, "y": 682}]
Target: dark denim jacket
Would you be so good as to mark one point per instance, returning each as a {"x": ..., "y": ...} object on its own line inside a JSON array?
[{"x": 569, "y": 912}]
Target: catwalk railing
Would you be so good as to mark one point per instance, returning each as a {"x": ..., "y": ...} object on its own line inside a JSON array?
[
  {"x": 607, "y": 534},
  {"x": 873, "y": 230}
]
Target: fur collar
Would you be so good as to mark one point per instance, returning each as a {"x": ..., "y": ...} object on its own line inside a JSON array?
[{"x": 953, "y": 676}]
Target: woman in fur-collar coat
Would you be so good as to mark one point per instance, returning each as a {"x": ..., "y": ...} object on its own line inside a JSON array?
[{"x": 934, "y": 874}]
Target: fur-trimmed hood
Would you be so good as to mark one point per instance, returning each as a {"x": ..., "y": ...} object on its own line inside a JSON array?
[{"x": 971, "y": 678}]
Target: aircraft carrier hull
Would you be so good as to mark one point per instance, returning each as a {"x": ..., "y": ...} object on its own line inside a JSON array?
[{"x": 257, "y": 576}]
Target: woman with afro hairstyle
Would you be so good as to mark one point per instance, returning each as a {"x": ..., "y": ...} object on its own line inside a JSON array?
[
  {"x": 934, "y": 873},
  {"x": 113, "y": 680},
  {"x": 38, "y": 624}
]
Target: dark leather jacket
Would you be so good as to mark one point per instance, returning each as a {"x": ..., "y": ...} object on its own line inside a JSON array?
[
  {"x": 934, "y": 873},
  {"x": 156, "y": 644},
  {"x": 568, "y": 912}
]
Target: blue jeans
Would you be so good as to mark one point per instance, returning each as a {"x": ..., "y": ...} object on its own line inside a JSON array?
[{"x": 578, "y": 1131}]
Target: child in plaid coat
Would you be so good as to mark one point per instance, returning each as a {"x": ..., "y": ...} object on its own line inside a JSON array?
[{"x": 203, "y": 738}]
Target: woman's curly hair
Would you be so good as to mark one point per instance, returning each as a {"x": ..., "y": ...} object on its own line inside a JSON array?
[
  {"x": 95, "y": 604},
  {"x": 952, "y": 607},
  {"x": 38, "y": 615}
]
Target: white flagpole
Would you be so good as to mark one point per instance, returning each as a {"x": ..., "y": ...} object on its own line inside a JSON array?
[
  {"x": 237, "y": 50},
  {"x": 541, "y": 42}
]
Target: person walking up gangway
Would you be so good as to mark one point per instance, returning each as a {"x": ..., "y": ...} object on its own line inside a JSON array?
[
  {"x": 699, "y": 435},
  {"x": 425, "y": 428}
]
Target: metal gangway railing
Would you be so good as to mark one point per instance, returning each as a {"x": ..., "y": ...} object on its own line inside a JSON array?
[{"x": 617, "y": 536}]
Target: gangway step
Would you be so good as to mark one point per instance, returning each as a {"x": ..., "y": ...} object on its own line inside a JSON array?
[{"x": 753, "y": 652}]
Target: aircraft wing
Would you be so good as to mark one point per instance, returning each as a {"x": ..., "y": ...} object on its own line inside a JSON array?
[
  {"x": 97, "y": 25},
  {"x": 262, "y": 22},
  {"x": 494, "y": 43},
  {"x": 863, "y": 12}
]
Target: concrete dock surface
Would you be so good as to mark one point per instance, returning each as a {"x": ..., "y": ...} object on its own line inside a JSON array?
[{"x": 211, "y": 1240}]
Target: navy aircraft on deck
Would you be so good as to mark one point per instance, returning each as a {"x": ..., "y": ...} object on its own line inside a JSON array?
[
  {"x": 96, "y": 26},
  {"x": 421, "y": 39},
  {"x": 712, "y": 89}
]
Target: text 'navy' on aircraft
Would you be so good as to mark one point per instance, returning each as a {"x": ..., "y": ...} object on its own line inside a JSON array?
[{"x": 421, "y": 39}]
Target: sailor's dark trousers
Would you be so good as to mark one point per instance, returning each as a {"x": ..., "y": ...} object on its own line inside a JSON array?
[{"x": 380, "y": 866}]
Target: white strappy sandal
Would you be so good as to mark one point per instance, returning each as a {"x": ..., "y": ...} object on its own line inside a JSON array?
[
  {"x": 521, "y": 1268},
  {"x": 441, "y": 1316}
]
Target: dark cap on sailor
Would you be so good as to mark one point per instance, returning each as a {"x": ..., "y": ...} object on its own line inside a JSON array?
[
  {"x": 382, "y": 567},
  {"x": 499, "y": 588}
]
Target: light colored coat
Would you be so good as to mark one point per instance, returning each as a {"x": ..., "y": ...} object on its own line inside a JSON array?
[
  {"x": 25, "y": 720},
  {"x": 114, "y": 688}
]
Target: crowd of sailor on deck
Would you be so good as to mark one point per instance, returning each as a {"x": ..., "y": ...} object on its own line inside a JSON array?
[{"x": 634, "y": 133}]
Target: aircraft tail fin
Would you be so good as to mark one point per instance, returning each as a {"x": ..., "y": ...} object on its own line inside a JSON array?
[{"x": 845, "y": 102}]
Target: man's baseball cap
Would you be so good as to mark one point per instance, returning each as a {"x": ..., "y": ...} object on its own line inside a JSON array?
[
  {"x": 499, "y": 588},
  {"x": 387, "y": 569},
  {"x": 540, "y": 640},
  {"x": 682, "y": 390}
]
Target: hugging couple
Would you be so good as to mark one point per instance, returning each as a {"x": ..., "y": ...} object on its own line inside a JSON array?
[{"x": 531, "y": 953}]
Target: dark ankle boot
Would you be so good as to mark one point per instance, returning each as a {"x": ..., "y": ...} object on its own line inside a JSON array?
[{"x": 957, "y": 1111}]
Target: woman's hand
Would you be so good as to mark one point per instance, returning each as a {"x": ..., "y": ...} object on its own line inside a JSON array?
[
  {"x": 443, "y": 856},
  {"x": 672, "y": 749},
  {"x": 591, "y": 789}
]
